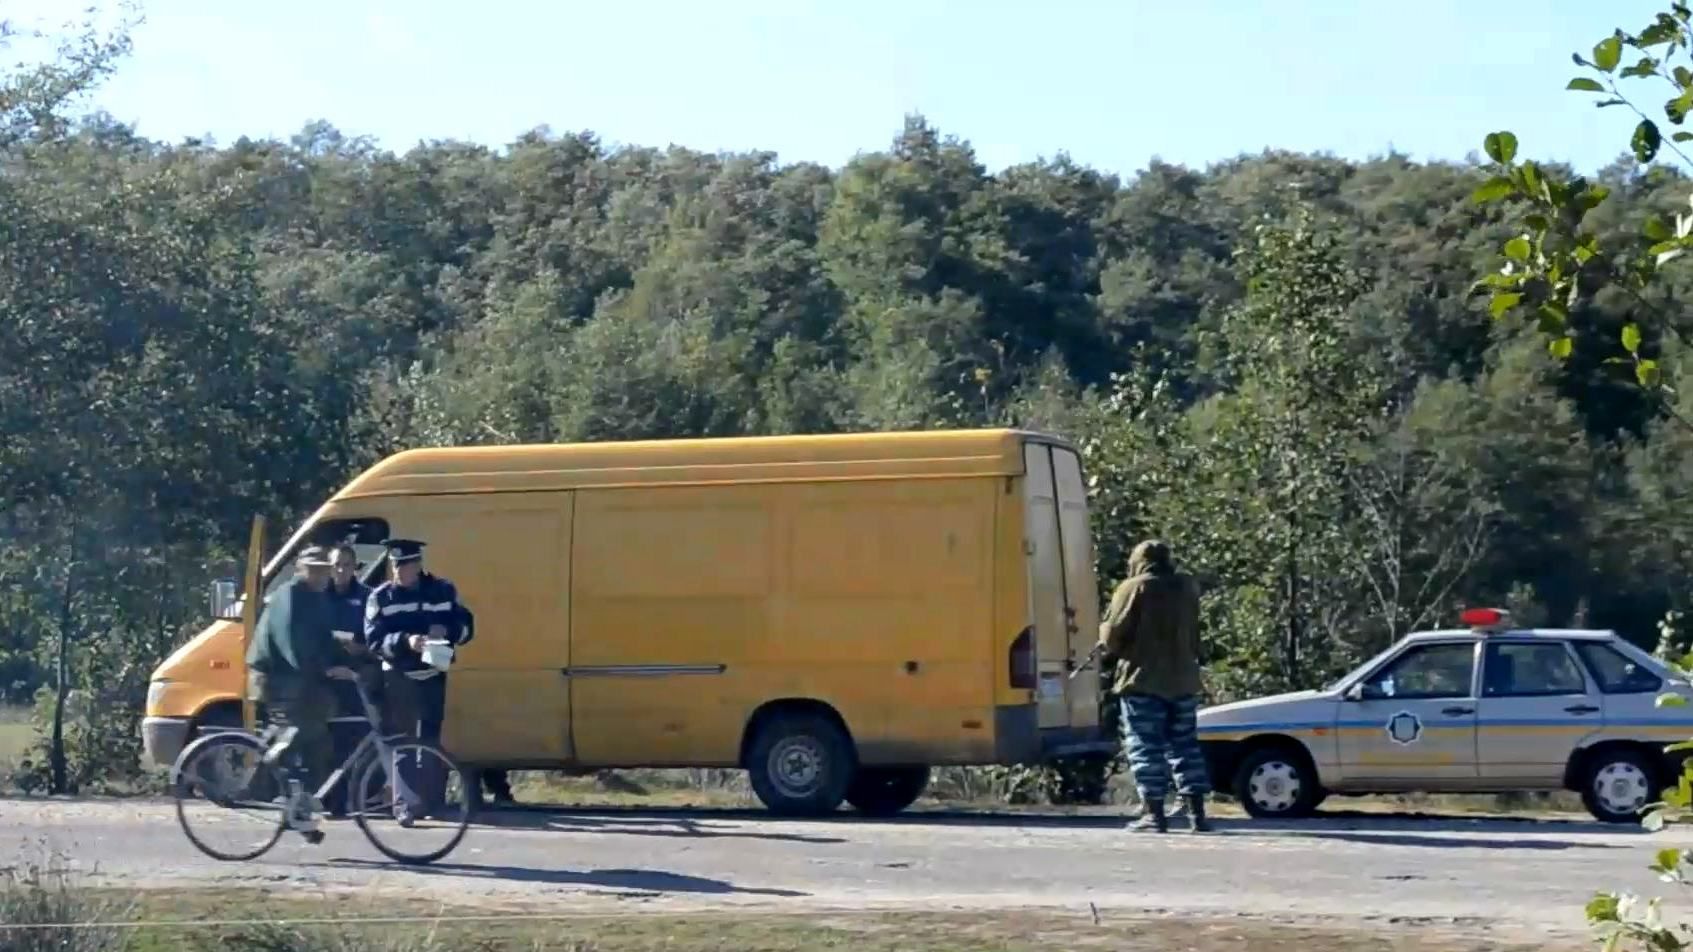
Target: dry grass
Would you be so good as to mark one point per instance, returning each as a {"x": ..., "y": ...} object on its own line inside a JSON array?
[{"x": 331, "y": 923}]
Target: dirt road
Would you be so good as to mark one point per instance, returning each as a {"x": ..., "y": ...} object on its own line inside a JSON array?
[{"x": 1365, "y": 870}]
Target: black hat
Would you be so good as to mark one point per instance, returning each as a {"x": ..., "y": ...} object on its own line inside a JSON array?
[
  {"x": 313, "y": 555},
  {"x": 403, "y": 550}
]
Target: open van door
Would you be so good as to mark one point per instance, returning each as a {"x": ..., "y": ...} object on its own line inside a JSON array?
[
  {"x": 1062, "y": 591},
  {"x": 250, "y": 610}
]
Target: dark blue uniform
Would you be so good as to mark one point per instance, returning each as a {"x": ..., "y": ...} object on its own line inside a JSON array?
[
  {"x": 416, "y": 694},
  {"x": 392, "y": 615},
  {"x": 347, "y": 608}
]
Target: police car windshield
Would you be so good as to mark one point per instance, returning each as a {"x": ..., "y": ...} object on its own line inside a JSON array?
[{"x": 1361, "y": 669}]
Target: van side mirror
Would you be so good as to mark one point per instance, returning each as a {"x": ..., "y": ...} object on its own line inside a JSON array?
[{"x": 226, "y": 598}]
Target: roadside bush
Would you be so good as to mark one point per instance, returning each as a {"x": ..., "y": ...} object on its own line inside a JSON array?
[
  {"x": 1069, "y": 781},
  {"x": 276, "y": 937},
  {"x": 42, "y": 911}
]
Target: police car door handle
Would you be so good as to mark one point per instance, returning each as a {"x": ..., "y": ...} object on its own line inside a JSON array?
[
  {"x": 1457, "y": 711},
  {"x": 1581, "y": 709}
]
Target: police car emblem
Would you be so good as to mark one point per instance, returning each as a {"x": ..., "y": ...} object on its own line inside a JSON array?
[{"x": 1404, "y": 728}]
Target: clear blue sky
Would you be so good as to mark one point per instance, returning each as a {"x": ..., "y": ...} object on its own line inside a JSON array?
[{"x": 1112, "y": 83}]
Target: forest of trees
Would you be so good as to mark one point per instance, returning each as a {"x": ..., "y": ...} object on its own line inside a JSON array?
[{"x": 1277, "y": 363}]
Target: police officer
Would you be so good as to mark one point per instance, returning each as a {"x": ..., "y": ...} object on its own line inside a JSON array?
[
  {"x": 347, "y": 597},
  {"x": 401, "y": 616}
]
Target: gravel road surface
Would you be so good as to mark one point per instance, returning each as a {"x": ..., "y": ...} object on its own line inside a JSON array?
[{"x": 1369, "y": 870}]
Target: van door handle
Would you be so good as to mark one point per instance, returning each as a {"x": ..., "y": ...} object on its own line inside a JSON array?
[
  {"x": 1581, "y": 709},
  {"x": 1457, "y": 711}
]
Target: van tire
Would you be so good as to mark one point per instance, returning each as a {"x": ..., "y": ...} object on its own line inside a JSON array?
[
  {"x": 800, "y": 764},
  {"x": 885, "y": 791}
]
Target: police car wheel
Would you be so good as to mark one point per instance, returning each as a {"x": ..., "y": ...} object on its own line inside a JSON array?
[
  {"x": 1618, "y": 784},
  {"x": 1273, "y": 783},
  {"x": 800, "y": 765}
]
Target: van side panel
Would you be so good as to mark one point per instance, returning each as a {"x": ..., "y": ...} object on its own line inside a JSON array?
[
  {"x": 695, "y": 606},
  {"x": 889, "y": 601},
  {"x": 508, "y": 699},
  {"x": 671, "y": 621}
]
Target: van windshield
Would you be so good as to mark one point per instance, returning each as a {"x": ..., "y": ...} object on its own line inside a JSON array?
[{"x": 364, "y": 534}]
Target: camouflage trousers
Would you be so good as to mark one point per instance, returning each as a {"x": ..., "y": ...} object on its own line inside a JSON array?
[{"x": 1161, "y": 734}]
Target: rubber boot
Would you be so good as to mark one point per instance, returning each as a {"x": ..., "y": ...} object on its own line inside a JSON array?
[
  {"x": 1196, "y": 819},
  {"x": 1151, "y": 818}
]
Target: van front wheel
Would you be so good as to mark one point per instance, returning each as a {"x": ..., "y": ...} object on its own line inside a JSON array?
[
  {"x": 800, "y": 765},
  {"x": 884, "y": 791}
]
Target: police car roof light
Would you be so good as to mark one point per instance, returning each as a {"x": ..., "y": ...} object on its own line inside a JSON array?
[{"x": 1484, "y": 617}]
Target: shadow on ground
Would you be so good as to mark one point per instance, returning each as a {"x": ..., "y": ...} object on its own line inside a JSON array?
[
  {"x": 1482, "y": 842},
  {"x": 649, "y": 881},
  {"x": 560, "y": 816},
  {"x": 655, "y": 824}
]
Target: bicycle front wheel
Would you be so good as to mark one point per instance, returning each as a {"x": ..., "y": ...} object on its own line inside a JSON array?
[
  {"x": 414, "y": 805},
  {"x": 229, "y": 802}
]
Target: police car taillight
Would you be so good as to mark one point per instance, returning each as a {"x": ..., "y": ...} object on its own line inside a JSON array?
[{"x": 1484, "y": 617}]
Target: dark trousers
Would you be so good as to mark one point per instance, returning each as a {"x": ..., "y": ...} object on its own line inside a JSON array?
[
  {"x": 416, "y": 708},
  {"x": 348, "y": 729},
  {"x": 306, "y": 707},
  {"x": 496, "y": 783},
  {"x": 344, "y": 736},
  {"x": 420, "y": 709}
]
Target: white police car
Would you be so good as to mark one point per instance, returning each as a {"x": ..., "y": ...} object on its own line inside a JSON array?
[{"x": 1481, "y": 709}]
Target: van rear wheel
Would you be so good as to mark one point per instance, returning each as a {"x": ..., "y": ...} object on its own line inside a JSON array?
[
  {"x": 800, "y": 765},
  {"x": 884, "y": 791}
]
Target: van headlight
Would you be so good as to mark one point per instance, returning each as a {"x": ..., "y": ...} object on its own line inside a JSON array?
[{"x": 156, "y": 695}]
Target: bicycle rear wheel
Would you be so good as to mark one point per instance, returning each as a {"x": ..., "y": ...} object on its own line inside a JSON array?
[
  {"x": 223, "y": 788},
  {"x": 432, "y": 775}
]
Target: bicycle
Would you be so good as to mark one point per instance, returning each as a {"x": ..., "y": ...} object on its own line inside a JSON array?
[{"x": 263, "y": 784}]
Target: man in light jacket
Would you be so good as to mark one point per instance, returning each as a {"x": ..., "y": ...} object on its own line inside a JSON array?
[{"x": 1151, "y": 631}]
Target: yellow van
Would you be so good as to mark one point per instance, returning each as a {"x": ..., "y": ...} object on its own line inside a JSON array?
[{"x": 835, "y": 614}]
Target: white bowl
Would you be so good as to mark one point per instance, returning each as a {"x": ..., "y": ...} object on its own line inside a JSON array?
[{"x": 437, "y": 654}]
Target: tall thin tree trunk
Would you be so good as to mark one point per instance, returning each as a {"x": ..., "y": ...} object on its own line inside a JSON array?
[
  {"x": 1291, "y": 650},
  {"x": 62, "y": 685}
]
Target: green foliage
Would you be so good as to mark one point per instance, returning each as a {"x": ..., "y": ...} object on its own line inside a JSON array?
[{"x": 1561, "y": 262}]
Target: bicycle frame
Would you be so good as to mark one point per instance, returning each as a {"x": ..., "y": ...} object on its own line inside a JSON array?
[
  {"x": 300, "y": 814},
  {"x": 372, "y": 739}
]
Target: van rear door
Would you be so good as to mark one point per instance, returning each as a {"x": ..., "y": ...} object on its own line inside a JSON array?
[
  {"x": 1081, "y": 586},
  {"x": 1062, "y": 596}
]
